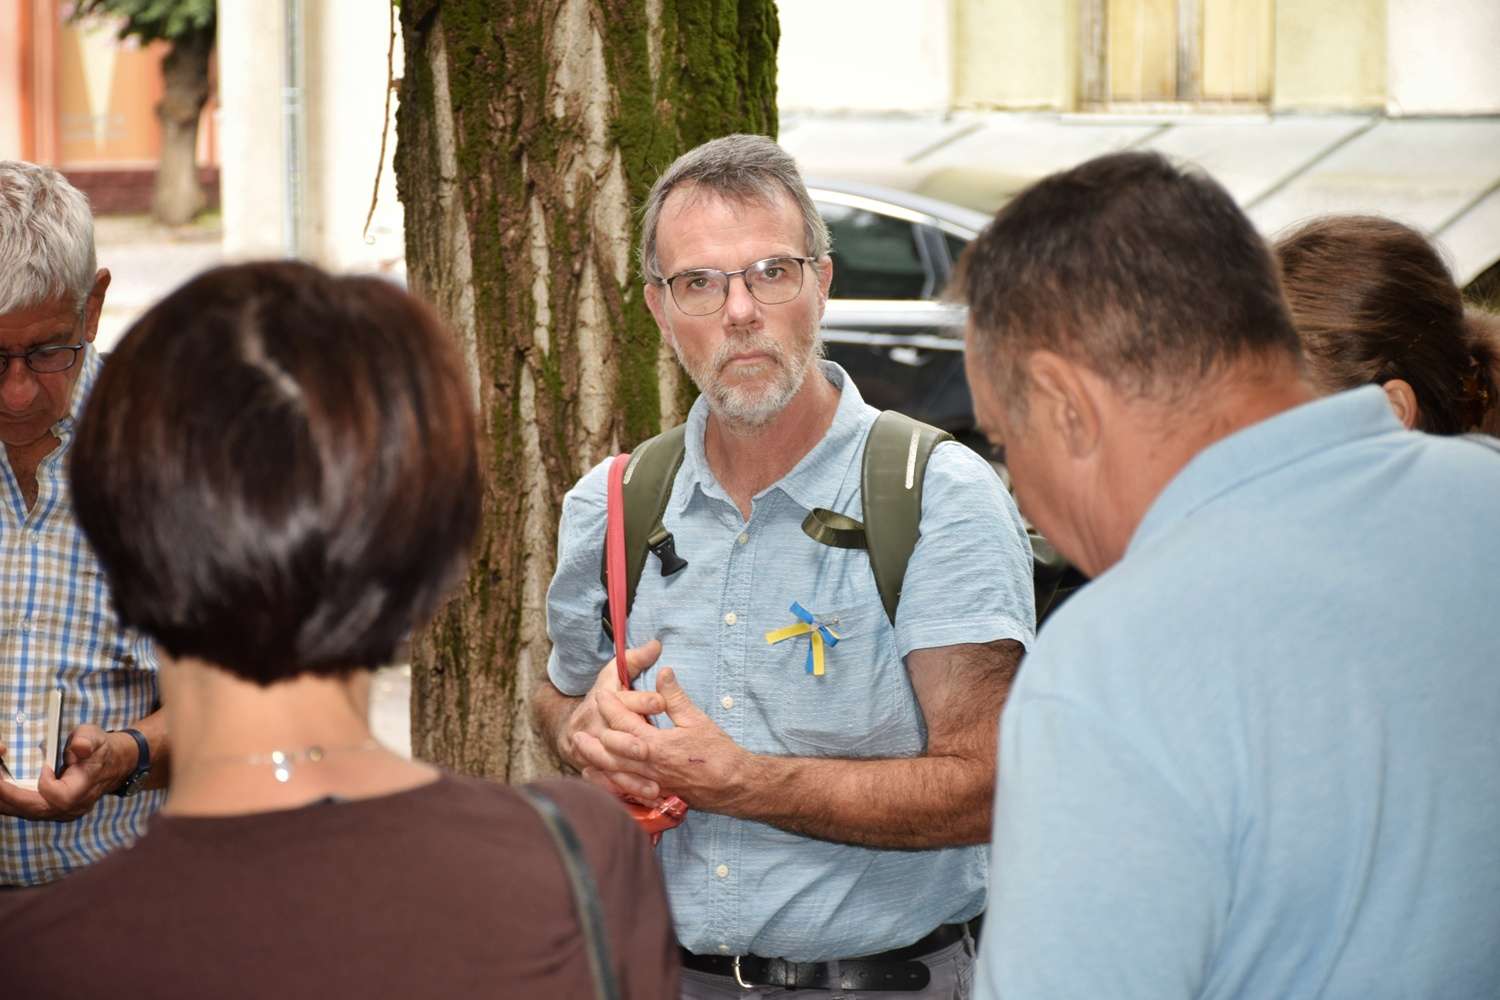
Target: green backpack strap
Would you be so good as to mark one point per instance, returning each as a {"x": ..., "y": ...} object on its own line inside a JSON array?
[
  {"x": 895, "y": 463},
  {"x": 648, "y": 486}
]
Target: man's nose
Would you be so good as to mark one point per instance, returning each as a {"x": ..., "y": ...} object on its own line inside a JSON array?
[
  {"x": 739, "y": 304},
  {"x": 17, "y": 386}
]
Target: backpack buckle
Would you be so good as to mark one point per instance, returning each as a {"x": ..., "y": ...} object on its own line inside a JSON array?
[{"x": 664, "y": 546}]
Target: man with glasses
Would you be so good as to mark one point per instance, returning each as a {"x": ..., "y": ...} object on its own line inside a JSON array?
[
  {"x": 58, "y": 630},
  {"x": 835, "y": 812}
]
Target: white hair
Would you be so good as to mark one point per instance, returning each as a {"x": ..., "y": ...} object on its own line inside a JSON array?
[{"x": 46, "y": 238}]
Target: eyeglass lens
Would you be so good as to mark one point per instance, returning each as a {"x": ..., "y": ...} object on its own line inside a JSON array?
[
  {"x": 772, "y": 282},
  {"x": 45, "y": 360}
]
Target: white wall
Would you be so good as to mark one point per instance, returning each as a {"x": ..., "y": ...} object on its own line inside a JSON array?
[
  {"x": 865, "y": 55},
  {"x": 1443, "y": 57},
  {"x": 344, "y": 44},
  {"x": 251, "y": 180}
]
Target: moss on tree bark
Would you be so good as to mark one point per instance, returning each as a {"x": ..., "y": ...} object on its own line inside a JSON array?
[{"x": 528, "y": 136}]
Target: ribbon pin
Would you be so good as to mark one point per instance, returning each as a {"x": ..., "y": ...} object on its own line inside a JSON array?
[{"x": 809, "y": 626}]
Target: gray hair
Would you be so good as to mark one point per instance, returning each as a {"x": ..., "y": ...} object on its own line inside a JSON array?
[
  {"x": 741, "y": 168},
  {"x": 46, "y": 238}
]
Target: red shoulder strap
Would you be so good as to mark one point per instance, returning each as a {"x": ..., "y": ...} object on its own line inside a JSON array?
[{"x": 614, "y": 559}]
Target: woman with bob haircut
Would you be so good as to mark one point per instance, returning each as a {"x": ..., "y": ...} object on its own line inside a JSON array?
[
  {"x": 278, "y": 471},
  {"x": 1374, "y": 304}
]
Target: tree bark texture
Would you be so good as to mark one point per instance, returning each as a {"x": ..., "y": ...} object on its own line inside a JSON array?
[
  {"x": 529, "y": 133},
  {"x": 178, "y": 196}
]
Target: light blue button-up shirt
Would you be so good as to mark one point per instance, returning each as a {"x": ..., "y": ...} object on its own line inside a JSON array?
[
  {"x": 741, "y": 887},
  {"x": 1259, "y": 756}
]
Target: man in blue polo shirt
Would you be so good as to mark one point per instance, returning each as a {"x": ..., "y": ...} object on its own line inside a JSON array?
[
  {"x": 1257, "y": 756},
  {"x": 831, "y": 842}
]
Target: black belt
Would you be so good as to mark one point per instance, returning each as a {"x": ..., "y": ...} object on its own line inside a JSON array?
[{"x": 897, "y": 969}]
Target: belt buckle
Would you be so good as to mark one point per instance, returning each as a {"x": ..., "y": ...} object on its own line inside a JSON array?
[{"x": 739, "y": 978}]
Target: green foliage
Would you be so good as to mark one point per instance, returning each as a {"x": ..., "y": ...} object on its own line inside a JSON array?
[{"x": 154, "y": 20}]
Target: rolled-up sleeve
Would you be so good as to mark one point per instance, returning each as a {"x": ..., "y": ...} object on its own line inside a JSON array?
[
  {"x": 969, "y": 579},
  {"x": 576, "y": 598}
]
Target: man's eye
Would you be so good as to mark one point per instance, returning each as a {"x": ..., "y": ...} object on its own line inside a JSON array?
[
  {"x": 697, "y": 284},
  {"x": 773, "y": 272}
]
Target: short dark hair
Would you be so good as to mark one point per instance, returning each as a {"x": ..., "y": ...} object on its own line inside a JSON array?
[
  {"x": 1149, "y": 274},
  {"x": 1374, "y": 301},
  {"x": 277, "y": 469}
]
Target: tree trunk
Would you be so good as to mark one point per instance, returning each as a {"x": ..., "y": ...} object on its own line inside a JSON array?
[
  {"x": 178, "y": 196},
  {"x": 529, "y": 133}
]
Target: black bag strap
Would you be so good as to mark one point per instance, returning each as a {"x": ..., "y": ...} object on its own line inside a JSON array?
[
  {"x": 585, "y": 891},
  {"x": 648, "y": 486}
]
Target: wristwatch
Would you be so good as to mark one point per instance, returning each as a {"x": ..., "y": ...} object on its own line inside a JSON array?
[{"x": 134, "y": 779}]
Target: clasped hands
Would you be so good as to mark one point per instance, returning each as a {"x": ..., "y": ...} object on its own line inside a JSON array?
[
  {"x": 610, "y": 739},
  {"x": 96, "y": 762}
]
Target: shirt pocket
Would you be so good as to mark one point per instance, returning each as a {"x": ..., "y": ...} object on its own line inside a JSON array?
[{"x": 862, "y": 704}]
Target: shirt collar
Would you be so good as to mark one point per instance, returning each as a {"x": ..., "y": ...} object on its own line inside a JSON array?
[
  {"x": 812, "y": 482},
  {"x": 1263, "y": 447},
  {"x": 92, "y": 362}
]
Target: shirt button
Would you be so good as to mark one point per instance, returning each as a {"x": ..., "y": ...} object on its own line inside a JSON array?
[
  {"x": 722, "y": 871},
  {"x": 20, "y": 716},
  {"x": 25, "y": 625},
  {"x": 731, "y": 618},
  {"x": 724, "y": 949},
  {"x": 727, "y": 701},
  {"x": 744, "y": 539}
]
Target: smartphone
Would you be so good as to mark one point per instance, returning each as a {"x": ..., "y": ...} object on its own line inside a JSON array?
[{"x": 52, "y": 742}]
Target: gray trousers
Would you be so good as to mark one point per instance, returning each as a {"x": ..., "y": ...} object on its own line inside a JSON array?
[{"x": 952, "y": 979}]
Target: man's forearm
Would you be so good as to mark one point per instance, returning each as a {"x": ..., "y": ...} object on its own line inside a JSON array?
[
  {"x": 917, "y": 803},
  {"x": 550, "y": 709}
]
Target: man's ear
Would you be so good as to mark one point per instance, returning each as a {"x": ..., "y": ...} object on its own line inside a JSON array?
[
  {"x": 1063, "y": 398},
  {"x": 655, "y": 302},
  {"x": 1403, "y": 400},
  {"x": 94, "y": 305},
  {"x": 824, "y": 269}
]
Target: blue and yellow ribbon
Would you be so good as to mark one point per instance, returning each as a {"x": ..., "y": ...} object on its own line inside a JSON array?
[{"x": 807, "y": 625}]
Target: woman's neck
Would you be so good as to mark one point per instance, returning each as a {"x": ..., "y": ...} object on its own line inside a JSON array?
[{"x": 238, "y": 747}]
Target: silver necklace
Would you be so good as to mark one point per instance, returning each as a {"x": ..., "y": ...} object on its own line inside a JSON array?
[{"x": 285, "y": 761}]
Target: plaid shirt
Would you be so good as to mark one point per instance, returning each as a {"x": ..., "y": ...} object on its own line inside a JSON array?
[{"x": 58, "y": 629}]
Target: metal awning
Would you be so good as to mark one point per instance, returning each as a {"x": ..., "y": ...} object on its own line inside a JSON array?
[{"x": 1440, "y": 175}]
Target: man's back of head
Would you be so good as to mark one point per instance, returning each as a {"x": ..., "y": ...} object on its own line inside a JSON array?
[
  {"x": 46, "y": 238},
  {"x": 1139, "y": 301},
  {"x": 1147, "y": 273}
]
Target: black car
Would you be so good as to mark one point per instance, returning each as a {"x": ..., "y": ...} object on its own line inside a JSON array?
[{"x": 885, "y": 323}]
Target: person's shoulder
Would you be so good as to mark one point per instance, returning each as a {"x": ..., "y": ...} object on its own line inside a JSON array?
[
  {"x": 42, "y": 925},
  {"x": 601, "y": 821},
  {"x": 591, "y": 489}
]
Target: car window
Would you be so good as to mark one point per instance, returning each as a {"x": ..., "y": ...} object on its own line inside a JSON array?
[
  {"x": 956, "y": 246},
  {"x": 874, "y": 256}
]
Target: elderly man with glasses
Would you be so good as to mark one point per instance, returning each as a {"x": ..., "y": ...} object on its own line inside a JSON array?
[
  {"x": 60, "y": 641},
  {"x": 836, "y": 815}
]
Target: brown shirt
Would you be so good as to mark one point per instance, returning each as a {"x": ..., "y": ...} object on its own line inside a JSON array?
[{"x": 449, "y": 890}]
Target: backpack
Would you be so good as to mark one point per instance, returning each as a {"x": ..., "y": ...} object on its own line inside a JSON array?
[{"x": 891, "y": 474}]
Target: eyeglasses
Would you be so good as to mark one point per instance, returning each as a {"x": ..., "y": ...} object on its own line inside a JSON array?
[
  {"x": 703, "y": 291},
  {"x": 46, "y": 360}
]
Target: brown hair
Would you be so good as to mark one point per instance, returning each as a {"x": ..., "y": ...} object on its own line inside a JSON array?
[
  {"x": 1373, "y": 301},
  {"x": 278, "y": 471},
  {"x": 1483, "y": 329},
  {"x": 1147, "y": 273}
]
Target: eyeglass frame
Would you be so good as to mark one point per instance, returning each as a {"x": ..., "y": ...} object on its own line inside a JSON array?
[
  {"x": 729, "y": 277},
  {"x": 31, "y": 352}
]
